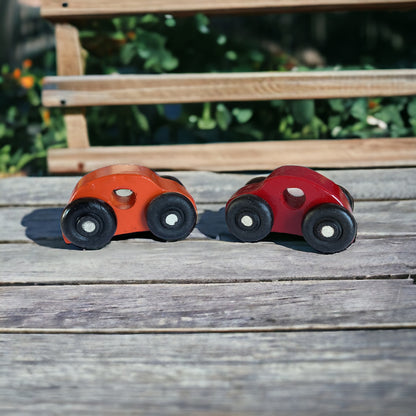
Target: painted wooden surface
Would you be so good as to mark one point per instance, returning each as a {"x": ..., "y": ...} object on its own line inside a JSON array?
[
  {"x": 92, "y": 90},
  {"x": 208, "y": 326},
  {"x": 82, "y": 8}
]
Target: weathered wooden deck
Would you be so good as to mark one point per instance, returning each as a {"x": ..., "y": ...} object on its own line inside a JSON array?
[{"x": 209, "y": 326}]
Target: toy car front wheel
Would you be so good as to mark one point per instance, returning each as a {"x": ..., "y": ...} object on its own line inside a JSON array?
[
  {"x": 171, "y": 216},
  {"x": 329, "y": 228},
  {"x": 88, "y": 223},
  {"x": 249, "y": 218}
]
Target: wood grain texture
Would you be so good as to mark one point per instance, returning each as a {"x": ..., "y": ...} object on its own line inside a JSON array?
[
  {"x": 211, "y": 187},
  {"x": 242, "y": 156},
  {"x": 82, "y": 8},
  {"x": 204, "y": 261},
  {"x": 69, "y": 61},
  {"x": 92, "y": 90},
  {"x": 375, "y": 219},
  {"x": 283, "y": 305},
  {"x": 310, "y": 373}
]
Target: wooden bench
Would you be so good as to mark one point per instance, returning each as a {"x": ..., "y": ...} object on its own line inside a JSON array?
[{"x": 73, "y": 91}]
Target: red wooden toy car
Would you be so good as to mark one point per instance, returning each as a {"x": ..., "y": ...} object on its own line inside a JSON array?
[
  {"x": 123, "y": 199},
  {"x": 294, "y": 200}
]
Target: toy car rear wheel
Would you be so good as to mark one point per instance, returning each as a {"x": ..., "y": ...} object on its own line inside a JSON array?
[
  {"x": 329, "y": 228},
  {"x": 249, "y": 218},
  {"x": 171, "y": 216},
  {"x": 88, "y": 223}
]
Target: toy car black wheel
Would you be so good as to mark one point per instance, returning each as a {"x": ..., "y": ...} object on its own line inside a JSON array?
[
  {"x": 329, "y": 228},
  {"x": 249, "y": 218},
  {"x": 88, "y": 223},
  {"x": 257, "y": 179},
  {"x": 349, "y": 197},
  {"x": 171, "y": 216}
]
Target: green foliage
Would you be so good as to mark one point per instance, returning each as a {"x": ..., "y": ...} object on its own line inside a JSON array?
[
  {"x": 159, "y": 44},
  {"x": 163, "y": 44},
  {"x": 27, "y": 129}
]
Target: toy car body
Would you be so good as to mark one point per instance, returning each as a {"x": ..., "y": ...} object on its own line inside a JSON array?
[
  {"x": 294, "y": 200},
  {"x": 123, "y": 199}
]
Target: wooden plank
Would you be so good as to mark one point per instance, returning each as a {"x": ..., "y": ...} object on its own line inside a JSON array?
[
  {"x": 93, "y": 90},
  {"x": 211, "y": 187},
  {"x": 205, "y": 261},
  {"x": 243, "y": 156},
  {"x": 81, "y": 8},
  {"x": 347, "y": 372},
  {"x": 70, "y": 61},
  {"x": 253, "y": 306},
  {"x": 375, "y": 219}
]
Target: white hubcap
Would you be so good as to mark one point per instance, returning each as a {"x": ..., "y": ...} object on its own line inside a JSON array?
[
  {"x": 327, "y": 231},
  {"x": 171, "y": 219},
  {"x": 88, "y": 226},
  {"x": 247, "y": 221}
]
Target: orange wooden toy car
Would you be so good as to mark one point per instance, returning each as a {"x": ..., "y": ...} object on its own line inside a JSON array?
[{"x": 123, "y": 199}]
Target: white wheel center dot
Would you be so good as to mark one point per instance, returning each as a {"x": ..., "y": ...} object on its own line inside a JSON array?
[
  {"x": 88, "y": 226},
  {"x": 171, "y": 219},
  {"x": 327, "y": 231},
  {"x": 247, "y": 221}
]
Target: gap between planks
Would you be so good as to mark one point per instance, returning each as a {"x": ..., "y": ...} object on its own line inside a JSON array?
[{"x": 231, "y": 330}]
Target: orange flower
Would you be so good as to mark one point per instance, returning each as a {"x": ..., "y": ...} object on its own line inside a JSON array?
[
  {"x": 46, "y": 115},
  {"x": 17, "y": 73},
  {"x": 131, "y": 35},
  {"x": 27, "y": 63},
  {"x": 372, "y": 104},
  {"x": 27, "y": 81}
]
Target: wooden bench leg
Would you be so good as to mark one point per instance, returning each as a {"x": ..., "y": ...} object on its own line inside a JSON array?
[{"x": 70, "y": 61}]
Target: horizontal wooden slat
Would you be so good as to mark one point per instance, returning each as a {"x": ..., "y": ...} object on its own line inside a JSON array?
[
  {"x": 242, "y": 156},
  {"x": 82, "y": 8},
  {"x": 211, "y": 187},
  {"x": 375, "y": 219},
  {"x": 281, "y": 258},
  {"x": 283, "y": 305},
  {"x": 96, "y": 90},
  {"x": 312, "y": 373}
]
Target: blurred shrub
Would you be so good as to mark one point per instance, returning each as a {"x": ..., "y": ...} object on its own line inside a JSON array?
[
  {"x": 158, "y": 44},
  {"x": 26, "y": 128}
]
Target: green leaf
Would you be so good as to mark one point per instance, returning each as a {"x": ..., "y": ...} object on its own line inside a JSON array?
[
  {"x": 411, "y": 108},
  {"x": 231, "y": 55},
  {"x": 128, "y": 52},
  {"x": 223, "y": 116},
  {"x": 359, "y": 109},
  {"x": 141, "y": 119},
  {"x": 391, "y": 115},
  {"x": 170, "y": 20},
  {"x": 202, "y": 23},
  {"x": 206, "y": 122},
  {"x": 149, "y": 18},
  {"x": 337, "y": 105},
  {"x": 334, "y": 121},
  {"x": 303, "y": 111},
  {"x": 242, "y": 115}
]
